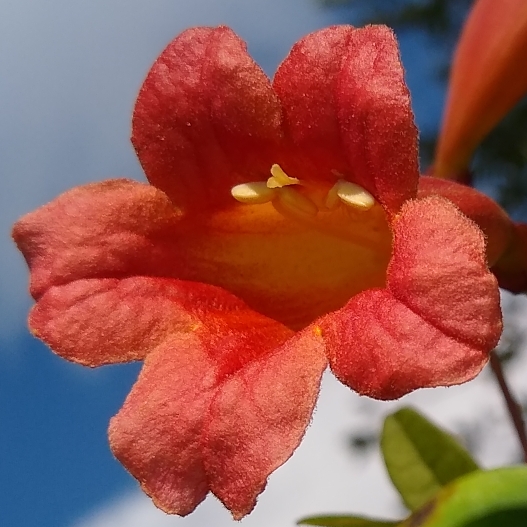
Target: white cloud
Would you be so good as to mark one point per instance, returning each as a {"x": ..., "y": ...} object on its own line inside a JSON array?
[{"x": 323, "y": 477}]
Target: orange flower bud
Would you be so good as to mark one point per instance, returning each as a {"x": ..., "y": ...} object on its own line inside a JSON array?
[{"x": 489, "y": 76}]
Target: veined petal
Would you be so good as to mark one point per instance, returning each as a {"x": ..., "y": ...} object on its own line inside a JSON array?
[
  {"x": 193, "y": 423},
  {"x": 506, "y": 241},
  {"x": 103, "y": 321},
  {"x": 489, "y": 216},
  {"x": 438, "y": 318},
  {"x": 290, "y": 271},
  {"x": 439, "y": 270},
  {"x": 114, "y": 229},
  {"x": 347, "y": 110},
  {"x": 306, "y": 83},
  {"x": 91, "y": 251},
  {"x": 376, "y": 118},
  {"x": 488, "y": 78},
  {"x": 206, "y": 119}
]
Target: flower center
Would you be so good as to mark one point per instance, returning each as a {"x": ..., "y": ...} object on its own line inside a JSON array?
[
  {"x": 294, "y": 250},
  {"x": 291, "y": 198}
]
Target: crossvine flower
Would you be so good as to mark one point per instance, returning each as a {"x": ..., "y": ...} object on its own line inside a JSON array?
[{"x": 281, "y": 229}]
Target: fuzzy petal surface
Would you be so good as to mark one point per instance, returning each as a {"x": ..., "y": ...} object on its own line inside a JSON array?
[
  {"x": 436, "y": 321},
  {"x": 101, "y": 258},
  {"x": 306, "y": 83},
  {"x": 377, "y": 122},
  {"x": 347, "y": 110},
  {"x": 114, "y": 229},
  {"x": 506, "y": 241},
  {"x": 218, "y": 409},
  {"x": 208, "y": 287},
  {"x": 206, "y": 119},
  {"x": 124, "y": 229},
  {"x": 484, "y": 211},
  {"x": 488, "y": 77}
]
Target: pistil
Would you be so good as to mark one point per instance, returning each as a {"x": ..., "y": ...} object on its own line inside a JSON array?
[{"x": 280, "y": 179}]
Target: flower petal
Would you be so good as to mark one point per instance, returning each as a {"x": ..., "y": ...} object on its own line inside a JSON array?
[
  {"x": 103, "y": 321},
  {"x": 347, "y": 109},
  {"x": 436, "y": 321},
  {"x": 218, "y": 409},
  {"x": 489, "y": 216},
  {"x": 376, "y": 118},
  {"x": 89, "y": 251},
  {"x": 206, "y": 119},
  {"x": 488, "y": 78},
  {"x": 123, "y": 229},
  {"x": 506, "y": 240},
  {"x": 439, "y": 270},
  {"x": 306, "y": 83},
  {"x": 114, "y": 229}
]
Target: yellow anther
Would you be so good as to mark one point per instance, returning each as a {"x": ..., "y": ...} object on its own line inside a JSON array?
[
  {"x": 291, "y": 202},
  {"x": 350, "y": 194},
  {"x": 280, "y": 179},
  {"x": 253, "y": 193},
  {"x": 355, "y": 196}
]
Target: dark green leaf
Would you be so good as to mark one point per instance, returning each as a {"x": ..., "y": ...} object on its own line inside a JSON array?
[
  {"x": 494, "y": 498},
  {"x": 345, "y": 521},
  {"x": 420, "y": 457}
]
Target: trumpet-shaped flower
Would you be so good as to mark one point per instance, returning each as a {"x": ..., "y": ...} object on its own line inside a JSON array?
[{"x": 281, "y": 229}]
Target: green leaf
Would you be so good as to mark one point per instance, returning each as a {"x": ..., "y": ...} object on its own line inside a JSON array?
[
  {"x": 420, "y": 457},
  {"x": 345, "y": 521},
  {"x": 494, "y": 498}
]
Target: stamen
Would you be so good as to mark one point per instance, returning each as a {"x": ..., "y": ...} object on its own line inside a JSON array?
[
  {"x": 290, "y": 201},
  {"x": 280, "y": 179},
  {"x": 350, "y": 194},
  {"x": 253, "y": 193},
  {"x": 332, "y": 199}
]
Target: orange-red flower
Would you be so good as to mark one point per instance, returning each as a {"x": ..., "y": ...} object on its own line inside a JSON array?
[{"x": 281, "y": 229}]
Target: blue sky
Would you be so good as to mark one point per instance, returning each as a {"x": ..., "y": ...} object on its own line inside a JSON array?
[{"x": 70, "y": 74}]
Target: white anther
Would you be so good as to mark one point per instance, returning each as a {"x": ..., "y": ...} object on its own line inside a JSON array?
[
  {"x": 280, "y": 179},
  {"x": 291, "y": 202},
  {"x": 351, "y": 195},
  {"x": 253, "y": 193}
]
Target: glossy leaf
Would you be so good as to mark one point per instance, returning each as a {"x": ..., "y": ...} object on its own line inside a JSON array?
[
  {"x": 495, "y": 498},
  {"x": 420, "y": 457},
  {"x": 345, "y": 521}
]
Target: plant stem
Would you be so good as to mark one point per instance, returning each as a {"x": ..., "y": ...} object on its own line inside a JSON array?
[{"x": 515, "y": 410}]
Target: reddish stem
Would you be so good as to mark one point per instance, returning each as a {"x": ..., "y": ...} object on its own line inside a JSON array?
[{"x": 515, "y": 410}]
